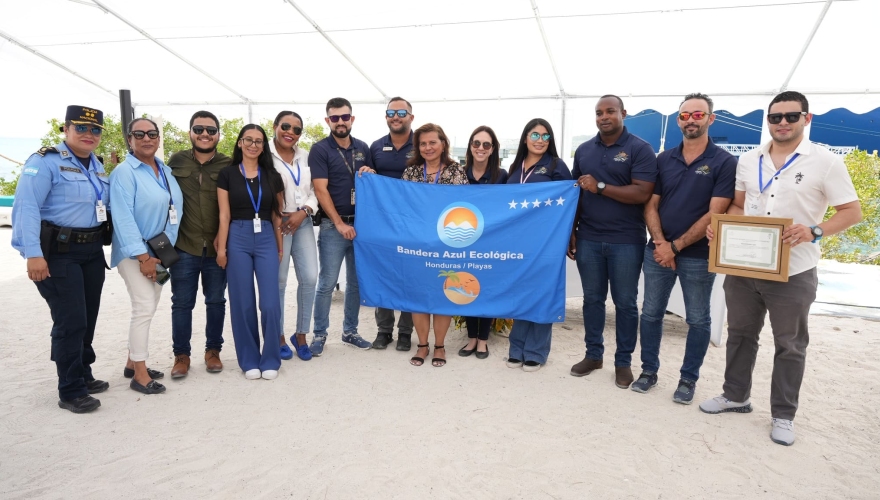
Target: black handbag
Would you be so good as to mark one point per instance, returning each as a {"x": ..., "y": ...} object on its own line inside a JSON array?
[{"x": 164, "y": 250}]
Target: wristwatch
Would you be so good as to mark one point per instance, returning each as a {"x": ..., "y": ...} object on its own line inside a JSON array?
[
  {"x": 817, "y": 233},
  {"x": 599, "y": 188}
]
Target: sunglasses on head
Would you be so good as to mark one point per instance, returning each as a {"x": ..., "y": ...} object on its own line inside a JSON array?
[
  {"x": 198, "y": 129},
  {"x": 696, "y": 115},
  {"x": 336, "y": 118},
  {"x": 139, "y": 134},
  {"x": 399, "y": 112},
  {"x": 296, "y": 130},
  {"x": 486, "y": 145},
  {"x": 534, "y": 136},
  {"x": 247, "y": 141},
  {"x": 776, "y": 118},
  {"x": 82, "y": 129}
]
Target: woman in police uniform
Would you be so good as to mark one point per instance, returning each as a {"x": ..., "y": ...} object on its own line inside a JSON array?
[{"x": 58, "y": 225}]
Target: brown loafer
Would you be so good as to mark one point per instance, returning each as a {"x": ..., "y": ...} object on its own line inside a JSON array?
[
  {"x": 623, "y": 376},
  {"x": 181, "y": 366},
  {"x": 586, "y": 367},
  {"x": 212, "y": 361}
]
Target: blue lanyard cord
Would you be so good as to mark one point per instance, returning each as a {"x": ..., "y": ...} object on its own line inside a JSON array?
[
  {"x": 298, "y": 175},
  {"x": 436, "y": 176},
  {"x": 167, "y": 188},
  {"x": 99, "y": 192},
  {"x": 761, "y": 185},
  {"x": 259, "y": 201}
]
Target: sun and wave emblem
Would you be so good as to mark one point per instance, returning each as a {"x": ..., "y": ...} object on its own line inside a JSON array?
[
  {"x": 459, "y": 287},
  {"x": 460, "y": 225}
]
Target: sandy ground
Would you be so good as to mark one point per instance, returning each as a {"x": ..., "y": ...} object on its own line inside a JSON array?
[{"x": 366, "y": 424}]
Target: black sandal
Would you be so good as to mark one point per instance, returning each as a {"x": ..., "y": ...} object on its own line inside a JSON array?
[
  {"x": 415, "y": 360},
  {"x": 438, "y": 362}
]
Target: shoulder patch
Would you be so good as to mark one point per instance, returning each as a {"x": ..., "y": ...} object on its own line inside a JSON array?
[
  {"x": 42, "y": 151},
  {"x": 30, "y": 170}
]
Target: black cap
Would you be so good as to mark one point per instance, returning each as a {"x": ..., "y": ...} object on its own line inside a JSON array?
[{"x": 81, "y": 115}]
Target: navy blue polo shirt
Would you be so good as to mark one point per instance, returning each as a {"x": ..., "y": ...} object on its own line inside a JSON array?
[
  {"x": 686, "y": 190},
  {"x": 601, "y": 218},
  {"x": 327, "y": 160},
  {"x": 543, "y": 171},
  {"x": 487, "y": 177},
  {"x": 388, "y": 161}
]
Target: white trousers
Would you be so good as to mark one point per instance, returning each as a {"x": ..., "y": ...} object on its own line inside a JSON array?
[{"x": 144, "y": 294}]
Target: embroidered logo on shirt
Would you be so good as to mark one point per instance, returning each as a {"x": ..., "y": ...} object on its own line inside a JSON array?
[
  {"x": 621, "y": 157},
  {"x": 358, "y": 156},
  {"x": 410, "y": 154},
  {"x": 798, "y": 178},
  {"x": 543, "y": 170},
  {"x": 704, "y": 170},
  {"x": 71, "y": 169}
]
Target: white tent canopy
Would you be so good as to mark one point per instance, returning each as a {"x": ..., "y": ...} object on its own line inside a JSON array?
[{"x": 462, "y": 63}]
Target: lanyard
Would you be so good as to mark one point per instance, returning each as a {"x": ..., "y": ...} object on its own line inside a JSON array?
[
  {"x": 761, "y": 185},
  {"x": 259, "y": 201},
  {"x": 436, "y": 176},
  {"x": 338, "y": 150},
  {"x": 523, "y": 171},
  {"x": 167, "y": 188},
  {"x": 98, "y": 191},
  {"x": 298, "y": 175}
]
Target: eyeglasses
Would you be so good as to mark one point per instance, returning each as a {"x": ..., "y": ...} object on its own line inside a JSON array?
[
  {"x": 486, "y": 145},
  {"x": 336, "y": 118},
  {"x": 139, "y": 134},
  {"x": 696, "y": 115},
  {"x": 776, "y": 118},
  {"x": 247, "y": 141},
  {"x": 198, "y": 129},
  {"x": 296, "y": 130},
  {"x": 399, "y": 112},
  {"x": 534, "y": 136},
  {"x": 82, "y": 129}
]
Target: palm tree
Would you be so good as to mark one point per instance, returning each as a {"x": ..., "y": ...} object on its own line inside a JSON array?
[{"x": 452, "y": 276}]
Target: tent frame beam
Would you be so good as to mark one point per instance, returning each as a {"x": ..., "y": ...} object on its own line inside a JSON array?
[
  {"x": 549, "y": 50},
  {"x": 809, "y": 40}
]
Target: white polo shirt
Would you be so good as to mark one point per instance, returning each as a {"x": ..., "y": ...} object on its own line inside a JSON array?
[
  {"x": 815, "y": 180},
  {"x": 305, "y": 191}
]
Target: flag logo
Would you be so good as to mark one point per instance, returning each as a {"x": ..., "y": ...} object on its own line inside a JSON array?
[
  {"x": 460, "y": 225},
  {"x": 459, "y": 287}
]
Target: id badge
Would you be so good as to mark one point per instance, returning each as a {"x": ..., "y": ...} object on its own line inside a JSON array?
[
  {"x": 298, "y": 198},
  {"x": 352, "y": 196},
  {"x": 172, "y": 215},
  {"x": 257, "y": 226},
  {"x": 101, "y": 211}
]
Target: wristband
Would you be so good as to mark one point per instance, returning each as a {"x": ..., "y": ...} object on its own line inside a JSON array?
[{"x": 674, "y": 248}]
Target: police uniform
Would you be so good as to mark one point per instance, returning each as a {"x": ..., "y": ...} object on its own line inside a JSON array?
[{"x": 55, "y": 216}]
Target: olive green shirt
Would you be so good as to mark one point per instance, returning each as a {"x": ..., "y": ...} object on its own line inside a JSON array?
[{"x": 201, "y": 213}]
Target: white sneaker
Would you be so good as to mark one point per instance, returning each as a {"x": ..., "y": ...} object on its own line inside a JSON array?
[
  {"x": 270, "y": 374},
  {"x": 783, "y": 432},
  {"x": 514, "y": 363},
  {"x": 720, "y": 404},
  {"x": 252, "y": 374}
]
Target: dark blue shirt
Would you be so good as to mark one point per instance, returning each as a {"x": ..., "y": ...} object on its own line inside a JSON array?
[
  {"x": 686, "y": 190},
  {"x": 601, "y": 218},
  {"x": 547, "y": 169},
  {"x": 327, "y": 160},
  {"x": 388, "y": 161},
  {"x": 487, "y": 177}
]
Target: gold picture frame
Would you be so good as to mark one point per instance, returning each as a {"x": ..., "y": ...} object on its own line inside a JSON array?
[{"x": 749, "y": 246}]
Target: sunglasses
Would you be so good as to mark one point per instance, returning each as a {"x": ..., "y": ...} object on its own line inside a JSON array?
[
  {"x": 139, "y": 134},
  {"x": 198, "y": 129},
  {"x": 486, "y": 145},
  {"x": 247, "y": 141},
  {"x": 82, "y": 129},
  {"x": 296, "y": 130},
  {"x": 336, "y": 118},
  {"x": 399, "y": 112},
  {"x": 696, "y": 115},
  {"x": 534, "y": 136},
  {"x": 776, "y": 118}
]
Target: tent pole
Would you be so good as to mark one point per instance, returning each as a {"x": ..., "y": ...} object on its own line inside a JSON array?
[{"x": 800, "y": 56}]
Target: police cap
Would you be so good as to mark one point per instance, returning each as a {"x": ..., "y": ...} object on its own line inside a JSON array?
[{"x": 82, "y": 115}]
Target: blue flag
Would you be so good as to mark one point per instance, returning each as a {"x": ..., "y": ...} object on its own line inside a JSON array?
[{"x": 495, "y": 251}]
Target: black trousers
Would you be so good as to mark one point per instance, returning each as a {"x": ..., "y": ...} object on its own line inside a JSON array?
[
  {"x": 478, "y": 328},
  {"x": 73, "y": 293}
]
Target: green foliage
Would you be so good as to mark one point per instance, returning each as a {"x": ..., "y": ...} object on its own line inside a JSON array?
[
  {"x": 7, "y": 188},
  {"x": 174, "y": 139},
  {"x": 857, "y": 242},
  {"x": 312, "y": 133}
]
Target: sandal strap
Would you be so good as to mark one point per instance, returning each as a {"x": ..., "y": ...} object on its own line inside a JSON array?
[
  {"x": 424, "y": 345},
  {"x": 439, "y": 346}
]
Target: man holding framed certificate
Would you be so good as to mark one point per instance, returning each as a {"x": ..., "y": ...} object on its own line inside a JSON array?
[{"x": 789, "y": 177}]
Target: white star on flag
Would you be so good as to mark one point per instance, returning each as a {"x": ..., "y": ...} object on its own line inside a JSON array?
[
  {"x": 525, "y": 204},
  {"x": 536, "y": 203},
  {"x": 560, "y": 201},
  {"x": 548, "y": 202},
  {"x": 512, "y": 204}
]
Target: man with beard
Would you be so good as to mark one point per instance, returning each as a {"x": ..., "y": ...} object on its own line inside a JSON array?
[
  {"x": 390, "y": 154},
  {"x": 334, "y": 161},
  {"x": 694, "y": 181},
  {"x": 196, "y": 172},
  {"x": 788, "y": 177}
]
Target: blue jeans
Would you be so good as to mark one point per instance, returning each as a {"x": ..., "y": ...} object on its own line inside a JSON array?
[
  {"x": 530, "y": 341},
  {"x": 696, "y": 285},
  {"x": 184, "y": 289},
  {"x": 620, "y": 264},
  {"x": 332, "y": 249},
  {"x": 301, "y": 246}
]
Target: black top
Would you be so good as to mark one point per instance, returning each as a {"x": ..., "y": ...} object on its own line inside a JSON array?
[{"x": 240, "y": 206}]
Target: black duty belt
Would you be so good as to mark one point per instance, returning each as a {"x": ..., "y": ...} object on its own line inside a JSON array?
[
  {"x": 64, "y": 236},
  {"x": 348, "y": 219}
]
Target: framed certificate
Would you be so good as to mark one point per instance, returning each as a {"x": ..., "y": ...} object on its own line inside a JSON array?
[{"x": 749, "y": 246}]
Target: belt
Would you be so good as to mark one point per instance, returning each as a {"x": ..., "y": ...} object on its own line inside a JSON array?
[
  {"x": 348, "y": 219},
  {"x": 84, "y": 236}
]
